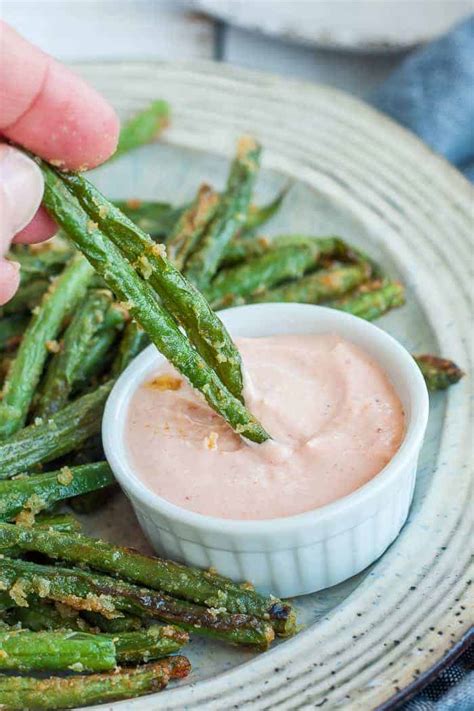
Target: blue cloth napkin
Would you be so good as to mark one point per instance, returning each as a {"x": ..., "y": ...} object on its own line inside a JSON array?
[{"x": 432, "y": 93}]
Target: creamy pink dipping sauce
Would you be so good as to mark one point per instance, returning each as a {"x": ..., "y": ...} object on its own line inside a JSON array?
[{"x": 335, "y": 419}]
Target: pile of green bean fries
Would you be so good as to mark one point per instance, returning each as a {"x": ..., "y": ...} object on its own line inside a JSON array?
[{"x": 117, "y": 277}]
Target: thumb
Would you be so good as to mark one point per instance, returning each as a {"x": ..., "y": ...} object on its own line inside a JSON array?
[
  {"x": 21, "y": 191},
  {"x": 9, "y": 279}
]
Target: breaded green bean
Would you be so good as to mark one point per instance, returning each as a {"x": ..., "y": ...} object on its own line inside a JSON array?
[
  {"x": 20, "y": 693},
  {"x": 142, "y": 304},
  {"x": 230, "y": 217},
  {"x": 23, "y": 377}
]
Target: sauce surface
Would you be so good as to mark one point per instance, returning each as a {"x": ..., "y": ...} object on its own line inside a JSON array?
[{"x": 335, "y": 419}]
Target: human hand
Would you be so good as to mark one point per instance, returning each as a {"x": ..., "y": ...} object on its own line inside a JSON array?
[{"x": 46, "y": 108}]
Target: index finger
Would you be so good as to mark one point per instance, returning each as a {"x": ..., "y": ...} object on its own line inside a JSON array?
[{"x": 50, "y": 110}]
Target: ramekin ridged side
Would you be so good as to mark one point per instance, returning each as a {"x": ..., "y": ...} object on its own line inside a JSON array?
[
  {"x": 300, "y": 567},
  {"x": 298, "y": 554}
]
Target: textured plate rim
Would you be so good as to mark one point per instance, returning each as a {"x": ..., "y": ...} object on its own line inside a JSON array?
[{"x": 422, "y": 682}]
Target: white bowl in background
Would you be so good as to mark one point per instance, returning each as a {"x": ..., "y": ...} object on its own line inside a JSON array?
[
  {"x": 298, "y": 554},
  {"x": 365, "y": 26}
]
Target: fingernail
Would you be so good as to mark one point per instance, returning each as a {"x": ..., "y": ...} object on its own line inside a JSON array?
[
  {"x": 21, "y": 191},
  {"x": 9, "y": 279}
]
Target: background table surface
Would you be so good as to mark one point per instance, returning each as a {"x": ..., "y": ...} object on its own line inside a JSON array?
[{"x": 171, "y": 30}]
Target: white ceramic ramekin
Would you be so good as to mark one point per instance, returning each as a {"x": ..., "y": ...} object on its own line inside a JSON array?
[{"x": 297, "y": 554}]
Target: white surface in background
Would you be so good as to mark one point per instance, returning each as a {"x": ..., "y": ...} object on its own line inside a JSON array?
[
  {"x": 353, "y": 24},
  {"x": 356, "y": 73},
  {"x": 166, "y": 29},
  {"x": 75, "y": 30},
  {"x": 112, "y": 29}
]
